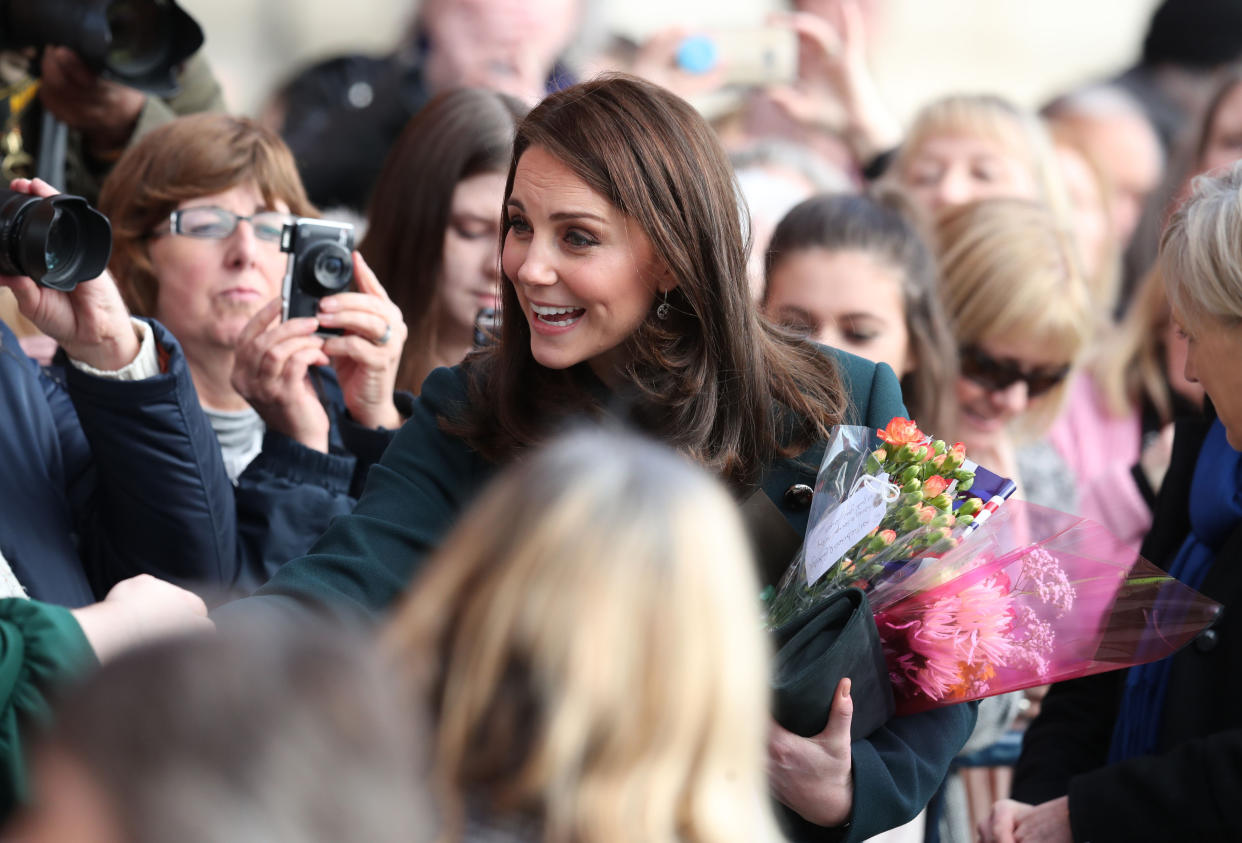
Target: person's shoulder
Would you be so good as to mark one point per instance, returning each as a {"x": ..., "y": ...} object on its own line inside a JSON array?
[
  {"x": 447, "y": 388},
  {"x": 443, "y": 398},
  {"x": 873, "y": 389}
]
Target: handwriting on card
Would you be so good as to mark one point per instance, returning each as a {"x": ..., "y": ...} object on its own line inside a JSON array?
[{"x": 842, "y": 528}]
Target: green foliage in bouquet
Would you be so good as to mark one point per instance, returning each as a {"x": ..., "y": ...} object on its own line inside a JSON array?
[{"x": 919, "y": 521}]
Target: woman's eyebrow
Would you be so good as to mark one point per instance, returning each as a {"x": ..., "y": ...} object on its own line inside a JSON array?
[{"x": 561, "y": 216}]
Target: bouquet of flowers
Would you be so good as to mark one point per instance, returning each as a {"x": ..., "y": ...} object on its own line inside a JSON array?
[
  {"x": 969, "y": 599},
  {"x": 882, "y": 499}
]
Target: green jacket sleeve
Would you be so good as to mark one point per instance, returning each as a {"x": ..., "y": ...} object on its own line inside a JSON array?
[{"x": 41, "y": 647}]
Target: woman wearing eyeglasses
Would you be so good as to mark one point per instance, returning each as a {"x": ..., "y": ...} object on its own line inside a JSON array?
[
  {"x": 1021, "y": 316},
  {"x": 197, "y": 208}
]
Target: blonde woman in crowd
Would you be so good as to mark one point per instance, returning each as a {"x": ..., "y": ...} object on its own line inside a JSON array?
[
  {"x": 1022, "y": 317},
  {"x": 968, "y": 147},
  {"x": 582, "y": 639}
]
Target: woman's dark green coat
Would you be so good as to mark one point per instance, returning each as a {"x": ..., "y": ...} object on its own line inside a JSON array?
[{"x": 426, "y": 478}]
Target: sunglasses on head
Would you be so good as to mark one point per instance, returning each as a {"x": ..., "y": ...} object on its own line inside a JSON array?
[{"x": 997, "y": 375}]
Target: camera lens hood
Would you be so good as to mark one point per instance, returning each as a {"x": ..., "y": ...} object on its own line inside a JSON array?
[{"x": 59, "y": 241}]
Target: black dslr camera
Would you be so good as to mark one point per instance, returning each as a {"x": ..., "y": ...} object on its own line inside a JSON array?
[
  {"x": 139, "y": 43},
  {"x": 321, "y": 262},
  {"x": 58, "y": 240}
]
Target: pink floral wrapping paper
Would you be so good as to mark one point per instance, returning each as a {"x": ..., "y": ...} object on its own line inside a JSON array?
[{"x": 1035, "y": 596}]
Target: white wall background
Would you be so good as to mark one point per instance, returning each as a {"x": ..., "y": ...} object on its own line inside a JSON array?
[{"x": 1025, "y": 49}]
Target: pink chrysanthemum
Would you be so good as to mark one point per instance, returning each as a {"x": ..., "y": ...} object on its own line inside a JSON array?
[{"x": 934, "y": 646}]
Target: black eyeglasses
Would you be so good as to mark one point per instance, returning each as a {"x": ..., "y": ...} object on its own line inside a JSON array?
[
  {"x": 997, "y": 375},
  {"x": 212, "y": 223}
]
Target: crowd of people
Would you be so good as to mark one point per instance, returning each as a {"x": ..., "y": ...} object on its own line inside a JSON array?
[{"x": 474, "y": 551}]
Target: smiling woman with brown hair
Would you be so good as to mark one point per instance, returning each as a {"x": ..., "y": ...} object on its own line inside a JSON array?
[{"x": 626, "y": 294}]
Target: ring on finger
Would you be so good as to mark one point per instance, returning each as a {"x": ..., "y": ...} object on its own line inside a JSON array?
[{"x": 386, "y": 336}]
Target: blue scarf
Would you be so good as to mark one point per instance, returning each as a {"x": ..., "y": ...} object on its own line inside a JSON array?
[{"x": 1215, "y": 509}]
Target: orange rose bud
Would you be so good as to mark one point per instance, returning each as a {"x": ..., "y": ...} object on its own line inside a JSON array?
[{"x": 934, "y": 485}]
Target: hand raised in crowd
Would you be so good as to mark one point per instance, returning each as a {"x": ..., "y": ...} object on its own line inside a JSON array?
[
  {"x": 814, "y": 776},
  {"x": 366, "y": 357},
  {"x": 91, "y": 322},
  {"x": 1017, "y": 822},
  {"x": 835, "y": 88},
  {"x": 271, "y": 371},
  {"x": 104, "y": 112},
  {"x": 140, "y": 609}
]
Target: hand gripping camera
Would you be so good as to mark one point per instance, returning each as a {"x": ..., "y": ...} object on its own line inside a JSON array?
[{"x": 321, "y": 263}]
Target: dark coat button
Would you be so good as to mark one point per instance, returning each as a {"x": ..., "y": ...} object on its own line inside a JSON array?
[
  {"x": 798, "y": 496},
  {"x": 1207, "y": 641}
]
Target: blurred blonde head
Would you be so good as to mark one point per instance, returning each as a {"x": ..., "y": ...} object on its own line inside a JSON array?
[
  {"x": 1008, "y": 130},
  {"x": 588, "y": 638},
  {"x": 1008, "y": 274},
  {"x": 1201, "y": 250}
]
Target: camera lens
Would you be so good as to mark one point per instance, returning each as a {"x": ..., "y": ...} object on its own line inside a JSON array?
[
  {"x": 139, "y": 42},
  {"x": 58, "y": 241},
  {"x": 329, "y": 269},
  {"x": 62, "y": 241}
]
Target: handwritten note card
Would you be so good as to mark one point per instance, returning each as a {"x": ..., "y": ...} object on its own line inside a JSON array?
[{"x": 842, "y": 528}]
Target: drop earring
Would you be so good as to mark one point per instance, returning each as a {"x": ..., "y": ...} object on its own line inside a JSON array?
[{"x": 663, "y": 310}]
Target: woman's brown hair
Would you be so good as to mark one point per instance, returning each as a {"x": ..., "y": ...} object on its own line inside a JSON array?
[
  {"x": 712, "y": 378},
  {"x": 460, "y": 133},
  {"x": 192, "y": 156}
]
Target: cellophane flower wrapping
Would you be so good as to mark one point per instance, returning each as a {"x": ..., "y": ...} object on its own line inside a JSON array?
[
  {"x": 882, "y": 499},
  {"x": 1034, "y": 596}
]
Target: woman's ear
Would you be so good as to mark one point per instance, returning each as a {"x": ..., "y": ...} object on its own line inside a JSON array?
[{"x": 666, "y": 282}]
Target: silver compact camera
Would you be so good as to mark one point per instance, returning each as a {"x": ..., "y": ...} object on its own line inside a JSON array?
[{"x": 321, "y": 263}]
